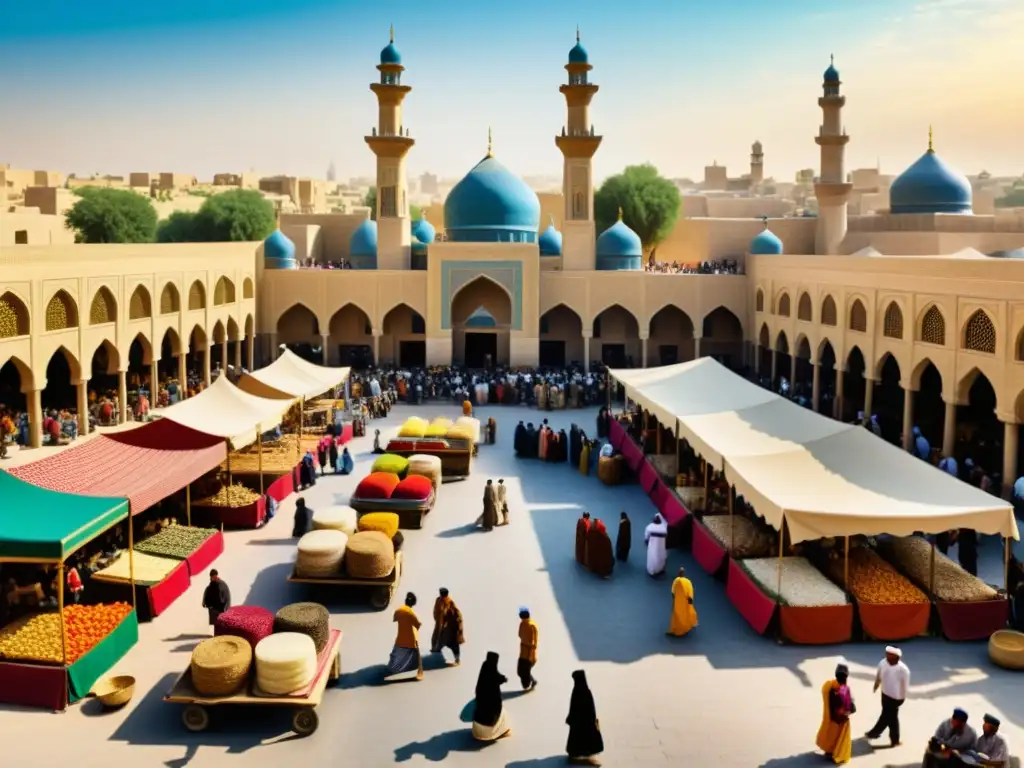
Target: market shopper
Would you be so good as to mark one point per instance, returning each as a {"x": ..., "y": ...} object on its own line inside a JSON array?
[
  {"x": 893, "y": 677},
  {"x": 528, "y": 636},
  {"x": 655, "y": 538},
  {"x": 585, "y": 742},
  {"x": 216, "y": 597},
  {"x": 490, "y": 722},
  {"x": 991, "y": 749},
  {"x": 489, "y": 517},
  {"x": 447, "y": 626},
  {"x": 837, "y": 706},
  {"x": 684, "y": 615},
  {"x": 582, "y": 529},
  {"x": 301, "y": 521},
  {"x": 600, "y": 557},
  {"x": 502, "y": 502},
  {"x": 405, "y": 655},
  {"x": 625, "y": 538}
]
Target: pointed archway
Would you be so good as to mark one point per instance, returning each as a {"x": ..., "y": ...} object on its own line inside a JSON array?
[
  {"x": 404, "y": 339},
  {"x": 561, "y": 338},
  {"x": 481, "y": 324}
]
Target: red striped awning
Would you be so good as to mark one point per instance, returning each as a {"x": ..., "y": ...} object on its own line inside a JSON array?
[{"x": 144, "y": 465}]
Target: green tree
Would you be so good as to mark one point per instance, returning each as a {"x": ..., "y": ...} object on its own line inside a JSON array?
[
  {"x": 179, "y": 227},
  {"x": 650, "y": 204},
  {"x": 112, "y": 216},
  {"x": 370, "y": 201},
  {"x": 1013, "y": 199},
  {"x": 241, "y": 215}
]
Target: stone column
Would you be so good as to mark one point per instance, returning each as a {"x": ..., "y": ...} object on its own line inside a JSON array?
[
  {"x": 224, "y": 355},
  {"x": 325, "y": 343},
  {"x": 1011, "y": 442},
  {"x": 837, "y": 403},
  {"x": 34, "y": 400},
  {"x": 775, "y": 367},
  {"x": 949, "y": 430},
  {"x": 869, "y": 391},
  {"x": 792, "y": 372},
  {"x": 122, "y": 397},
  {"x": 154, "y": 382},
  {"x": 376, "y": 346},
  {"x": 696, "y": 348},
  {"x": 238, "y": 357},
  {"x": 908, "y": 418},
  {"x": 643, "y": 351},
  {"x": 757, "y": 359},
  {"x": 816, "y": 388},
  {"x": 586, "y": 350},
  {"x": 250, "y": 350},
  {"x": 83, "y": 407},
  {"x": 206, "y": 365},
  {"x": 182, "y": 375}
]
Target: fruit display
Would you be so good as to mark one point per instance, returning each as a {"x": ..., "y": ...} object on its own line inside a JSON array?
[
  {"x": 149, "y": 569},
  {"x": 873, "y": 580},
  {"x": 803, "y": 585},
  {"x": 37, "y": 638},
  {"x": 220, "y": 665},
  {"x": 739, "y": 535},
  {"x": 310, "y": 619},
  {"x": 953, "y": 584},
  {"x": 178, "y": 541},
  {"x": 320, "y": 554},
  {"x": 285, "y": 662},
  {"x": 234, "y": 495}
]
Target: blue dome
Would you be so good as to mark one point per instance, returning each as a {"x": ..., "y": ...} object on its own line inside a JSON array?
[
  {"x": 831, "y": 74},
  {"x": 278, "y": 251},
  {"x": 930, "y": 186},
  {"x": 550, "y": 241},
  {"x": 578, "y": 54},
  {"x": 619, "y": 247},
  {"x": 390, "y": 55},
  {"x": 766, "y": 243},
  {"x": 423, "y": 230},
  {"x": 362, "y": 246},
  {"x": 491, "y": 204}
]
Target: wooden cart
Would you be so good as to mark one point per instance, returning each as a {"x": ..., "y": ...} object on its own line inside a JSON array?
[
  {"x": 196, "y": 716},
  {"x": 410, "y": 512},
  {"x": 381, "y": 590}
]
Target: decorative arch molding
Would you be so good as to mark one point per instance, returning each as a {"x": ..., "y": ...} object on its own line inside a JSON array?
[
  {"x": 829, "y": 312},
  {"x": 805, "y": 308},
  {"x": 73, "y": 363},
  {"x": 248, "y": 290},
  {"x": 140, "y": 302},
  {"x": 223, "y": 291},
  {"x": 917, "y": 370},
  {"x": 196, "y": 296},
  {"x": 858, "y": 313},
  {"x": 764, "y": 336},
  {"x": 659, "y": 310},
  {"x": 625, "y": 309},
  {"x": 892, "y": 319},
  {"x": 931, "y": 326},
  {"x": 979, "y": 333},
  {"x": 964, "y": 381},
  {"x": 15, "y": 320},
  {"x": 421, "y": 311},
  {"x": 62, "y": 311},
  {"x": 25, "y": 374},
  {"x": 301, "y": 306},
  {"x": 802, "y": 342},
  {"x": 170, "y": 299},
  {"x": 507, "y": 275},
  {"x": 234, "y": 334},
  {"x": 114, "y": 355},
  {"x": 759, "y": 300},
  {"x": 781, "y": 343},
  {"x": 103, "y": 308},
  {"x": 149, "y": 352},
  {"x": 881, "y": 359},
  {"x": 778, "y": 298}
]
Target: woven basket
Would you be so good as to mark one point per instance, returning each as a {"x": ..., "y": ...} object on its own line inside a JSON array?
[
  {"x": 370, "y": 555},
  {"x": 320, "y": 554},
  {"x": 250, "y": 622},
  {"x": 285, "y": 662},
  {"x": 1006, "y": 649},
  {"x": 385, "y": 522},
  {"x": 310, "y": 619},
  {"x": 220, "y": 665},
  {"x": 341, "y": 518}
]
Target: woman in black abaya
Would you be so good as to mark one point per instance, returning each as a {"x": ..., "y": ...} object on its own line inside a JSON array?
[
  {"x": 585, "y": 741},
  {"x": 489, "y": 720}
]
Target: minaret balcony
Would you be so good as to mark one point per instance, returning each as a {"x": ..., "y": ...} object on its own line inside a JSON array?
[
  {"x": 582, "y": 145},
  {"x": 392, "y": 145}
]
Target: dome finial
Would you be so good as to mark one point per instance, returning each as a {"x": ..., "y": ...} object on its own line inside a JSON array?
[
  {"x": 490, "y": 142},
  {"x": 832, "y": 59},
  {"x": 577, "y": 33},
  {"x": 392, "y": 34},
  {"x": 620, "y": 213},
  {"x": 764, "y": 220},
  {"x": 551, "y": 219},
  {"x": 931, "y": 145}
]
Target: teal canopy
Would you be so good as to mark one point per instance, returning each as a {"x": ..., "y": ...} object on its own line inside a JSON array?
[{"x": 42, "y": 524}]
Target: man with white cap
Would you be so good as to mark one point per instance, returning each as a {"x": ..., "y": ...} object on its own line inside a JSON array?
[{"x": 893, "y": 677}]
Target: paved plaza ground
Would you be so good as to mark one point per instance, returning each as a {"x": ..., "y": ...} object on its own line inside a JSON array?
[{"x": 722, "y": 696}]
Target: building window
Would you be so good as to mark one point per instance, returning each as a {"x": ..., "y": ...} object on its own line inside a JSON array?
[
  {"x": 980, "y": 333},
  {"x": 21, "y": 237},
  {"x": 803, "y": 308},
  {"x": 893, "y": 323},
  {"x": 858, "y": 317},
  {"x": 388, "y": 202},
  {"x": 933, "y": 327},
  {"x": 828, "y": 311},
  {"x": 759, "y": 301},
  {"x": 784, "y": 305}
]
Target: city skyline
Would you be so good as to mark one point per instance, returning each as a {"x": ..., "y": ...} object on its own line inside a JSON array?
[{"x": 185, "y": 87}]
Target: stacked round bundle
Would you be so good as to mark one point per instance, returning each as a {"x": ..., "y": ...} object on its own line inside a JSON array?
[
  {"x": 340, "y": 518},
  {"x": 250, "y": 622},
  {"x": 370, "y": 555},
  {"x": 220, "y": 665},
  {"x": 285, "y": 662},
  {"x": 310, "y": 619},
  {"x": 414, "y": 427},
  {"x": 389, "y": 462},
  {"x": 385, "y": 522},
  {"x": 420, "y": 464},
  {"x": 320, "y": 554},
  {"x": 609, "y": 470},
  {"x": 473, "y": 425},
  {"x": 378, "y": 485},
  {"x": 414, "y": 488},
  {"x": 459, "y": 432},
  {"x": 442, "y": 421},
  {"x": 435, "y": 430}
]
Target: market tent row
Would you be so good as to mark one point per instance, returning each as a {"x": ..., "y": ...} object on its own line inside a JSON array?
[
  {"x": 820, "y": 476},
  {"x": 225, "y": 411},
  {"x": 291, "y": 377},
  {"x": 38, "y": 524},
  {"x": 143, "y": 465}
]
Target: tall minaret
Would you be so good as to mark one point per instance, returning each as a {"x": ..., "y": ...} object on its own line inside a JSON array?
[
  {"x": 831, "y": 189},
  {"x": 756, "y": 164},
  {"x": 390, "y": 142},
  {"x": 578, "y": 144}
]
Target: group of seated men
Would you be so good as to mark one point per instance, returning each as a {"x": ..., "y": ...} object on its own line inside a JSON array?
[{"x": 955, "y": 743}]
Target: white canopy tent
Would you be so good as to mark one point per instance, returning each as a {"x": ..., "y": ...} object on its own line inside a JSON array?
[
  {"x": 820, "y": 476},
  {"x": 292, "y": 377},
  {"x": 222, "y": 409}
]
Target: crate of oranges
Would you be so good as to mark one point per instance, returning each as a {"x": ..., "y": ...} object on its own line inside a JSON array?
[{"x": 37, "y": 637}]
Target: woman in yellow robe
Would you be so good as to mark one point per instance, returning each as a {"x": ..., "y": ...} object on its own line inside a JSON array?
[
  {"x": 684, "y": 615},
  {"x": 837, "y": 706}
]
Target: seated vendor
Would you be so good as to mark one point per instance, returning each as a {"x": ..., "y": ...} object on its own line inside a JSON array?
[
  {"x": 952, "y": 737},
  {"x": 990, "y": 749}
]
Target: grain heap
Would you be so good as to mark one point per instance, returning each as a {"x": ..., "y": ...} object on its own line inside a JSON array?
[
  {"x": 422, "y": 465},
  {"x": 413, "y": 427},
  {"x": 953, "y": 584},
  {"x": 285, "y": 662},
  {"x": 177, "y": 542},
  {"x": 369, "y": 555},
  {"x": 470, "y": 424},
  {"x": 235, "y": 495},
  {"x": 435, "y": 430},
  {"x": 220, "y": 665},
  {"x": 149, "y": 569},
  {"x": 320, "y": 554},
  {"x": 739, "y": 533},
  {"x": 250, "y": 622},
  {"x": 803, "y": 585},
  {"x": 385, "y": 522},
  {"x": 279, "y": 456},
  {"x": 310, "y": 619},
  {"x": 341, "y": 518},
  {"x": 442, "y": 421},
  {"x": 873, "y": 580}
]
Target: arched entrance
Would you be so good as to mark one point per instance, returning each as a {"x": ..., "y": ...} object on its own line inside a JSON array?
[
  {"x": 853, "y": 385},
  {"x": 722, "y": 337},
  {"x": 63, "y": 374},
  {"x": 15, "y": 380},
  {"x": 980, "y": 433},
  {"x": 888, "y": 402},
  {"x": 351, "y": 334},
  {"x": 299, "y": 330},
  {"x": 827, "y": 380},
  {"x": 561, "y": 337},
  {"x": 404, "y": 342},
  {"x": 619, "y": 334},
  {"x": 481, "y": 324},
  {"x": 671, "y": 337}
]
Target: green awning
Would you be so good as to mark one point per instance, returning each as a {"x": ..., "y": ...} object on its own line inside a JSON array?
[{"x": 49, "y": 525}]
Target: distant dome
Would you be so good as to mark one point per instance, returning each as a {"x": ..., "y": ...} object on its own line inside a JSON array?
[
  {"x": 832, "y": 74},
  {"x": 362, "y": 246},
  {"x": 1014, "y": 253},
  {"x": 390, "y": 54},
  {"x": 481, "y": 318},
  {"x": 423, "y": 230},
  {"x": 278, "y": 251},
  {"x": 550, "y": 241},
  {"x": 930, "y": 186},
  {"x": 491, "y": 204},
  {"x": 619, "y": 247},
  {"x": 766, "y": 243},
  {"x": 578, "y": 54}
]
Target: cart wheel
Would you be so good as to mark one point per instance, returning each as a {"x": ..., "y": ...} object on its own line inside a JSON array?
[
  {"x": 336, "y": 668},
  {"x": 381, "y": 597},
  {"x": 195, "y": 718},
  {"x": 305, "y": 721}
]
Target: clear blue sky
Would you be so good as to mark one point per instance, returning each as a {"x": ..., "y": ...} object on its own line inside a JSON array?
[{"x": 282, "y": 87}]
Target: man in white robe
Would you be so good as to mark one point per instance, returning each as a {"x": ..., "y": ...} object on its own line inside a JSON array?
[{"x": 655, "y": 537}]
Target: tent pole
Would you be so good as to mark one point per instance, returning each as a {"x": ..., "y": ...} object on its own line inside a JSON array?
[
  {"x": 259, "y": 451},
  {"x": 931, "y": 572},
  {"x": 707, "y": 489},
  {"x": 188, "y": 505},
  {"x": 60, "y": 611},
  {"x": 131, "y": 556},
  {"x": 782, "y": 542},
  {"x": 732, "y": 522},
  {"x": 1006, "y": 565},
  {"x": 302, "y": 409},
  {"x": 227, "y": 462},
  {"x": 846, "y": 564},
  {"x": 679, "y": 458},
  {"x": 657, "y": 444}
]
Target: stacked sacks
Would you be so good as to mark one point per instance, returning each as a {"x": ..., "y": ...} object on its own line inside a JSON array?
[
  {"x": 414, "y": 488},
  {"x": 441, "y": 421},
  {"x": 385, "y": 522},
  {"x": 377, "y": 485},
  {"x": 389, "y": 462},
  {"x": 320, "y": 554},
  {"x": 370, "y": 555},
  {"x": 252, "y": 623},
  {"x": 285, "y": 662},
  {"x": 310, "y": 619},
  {"x": 436, "y": 430},
  {"x": 413, "y": 427},
  {"x": 473, "y": 425},
  {"x": 220, "y": 665},
  {"x": 340, "y": 518},
  {"x": 422, "y": 465},
  {"x": 460, "y": 432}
]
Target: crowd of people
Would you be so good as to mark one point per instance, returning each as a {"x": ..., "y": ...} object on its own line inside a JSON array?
[{"x": 714, "y": 267}]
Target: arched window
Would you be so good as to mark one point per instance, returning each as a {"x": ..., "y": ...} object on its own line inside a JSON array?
[
  {"x": 858, "y": 316},
  {"x": 61, "y": 312},
  {"x": 980, "y": 333},
  {"x": 13, "y": 317},
  {"x": 759, "y": 301},
  {"x": 803, "y": 308},
  {"x": 933, "y": 327},
  {"x": 892, "y": 325},
  {"x": 104, "y": 308},
  {"x": 197, "y": 296},
  {"x": 247, "y": 292},
  {"x": 169, "y": 300},
  {"x": 139, "y": 306},
  {"x": 828, "y": 311},
  {"x": 784, "y": 305}
]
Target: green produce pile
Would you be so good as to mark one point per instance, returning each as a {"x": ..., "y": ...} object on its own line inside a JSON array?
[{"x": 177, "y": 542}]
